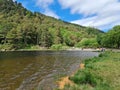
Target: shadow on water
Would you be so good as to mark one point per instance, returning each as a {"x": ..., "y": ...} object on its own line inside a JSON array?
[{"x": 37, "y": 69}]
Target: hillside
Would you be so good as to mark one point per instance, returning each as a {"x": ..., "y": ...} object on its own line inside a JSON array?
[{"x": 20, "y": 27}]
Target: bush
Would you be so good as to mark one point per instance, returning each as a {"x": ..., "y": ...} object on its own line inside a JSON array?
[
  {"x": 87, "y": 43},
  {"x": 104, "y": 54},
  {"x": 85, "y": 77},
  {"x": 6, "y": 47},
  {"x": 56, "y": 46}
]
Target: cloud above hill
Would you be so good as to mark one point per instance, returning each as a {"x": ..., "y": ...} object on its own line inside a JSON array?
[
  {"x": 44, "y": 4},
  {"x": 97, "y": 13},
  {"x": 14, "y": 0}
]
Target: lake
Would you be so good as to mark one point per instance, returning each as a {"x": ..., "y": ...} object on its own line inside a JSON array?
[{"x": 38, "y": 70}]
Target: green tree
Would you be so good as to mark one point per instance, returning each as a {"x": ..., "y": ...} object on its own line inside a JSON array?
[
  {"x": 88, "y": 42},
  {"x": 112, "y": 38},
  {"x": 58, "y": 39},
  {"x": 46, "y": 38}
]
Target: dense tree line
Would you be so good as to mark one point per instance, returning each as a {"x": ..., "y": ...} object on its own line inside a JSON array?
[
  {"x": 20, "y": 27},
  {"x": 111, "y": 39}
]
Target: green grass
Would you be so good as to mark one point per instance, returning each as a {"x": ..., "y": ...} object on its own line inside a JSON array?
[{"x": 100, "y": 73}]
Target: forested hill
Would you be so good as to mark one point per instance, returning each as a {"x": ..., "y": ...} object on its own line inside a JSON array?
[{"x": 20, "y": 27}]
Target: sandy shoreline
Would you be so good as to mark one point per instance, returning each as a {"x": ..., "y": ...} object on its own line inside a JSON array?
[
  {"x": 70, "y": 49},
  {"x": 66, "y": 81},
  {"x": 80, "y": 49}
]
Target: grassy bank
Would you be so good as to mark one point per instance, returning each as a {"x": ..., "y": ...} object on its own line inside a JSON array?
[{"x": 100, "y": 73}]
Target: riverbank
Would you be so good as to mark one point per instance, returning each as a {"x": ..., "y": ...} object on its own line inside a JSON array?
[
  {"x": 100, "y": 73},
  {"x": 50, "y": 49}
]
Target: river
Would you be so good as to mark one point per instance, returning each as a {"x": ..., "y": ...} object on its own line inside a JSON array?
[{"x": 38, "y": 70}]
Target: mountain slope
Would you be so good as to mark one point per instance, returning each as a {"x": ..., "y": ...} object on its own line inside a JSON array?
[{"x": 20, "y": 27}]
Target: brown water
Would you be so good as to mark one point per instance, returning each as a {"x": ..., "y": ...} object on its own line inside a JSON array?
[{"x": 38, "y": 70}]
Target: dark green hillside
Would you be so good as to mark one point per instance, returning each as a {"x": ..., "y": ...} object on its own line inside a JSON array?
[{"x": 20, "y": 28}]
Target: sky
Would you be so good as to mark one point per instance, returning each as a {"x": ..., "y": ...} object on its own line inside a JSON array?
[{"x": 101, "y": 14}]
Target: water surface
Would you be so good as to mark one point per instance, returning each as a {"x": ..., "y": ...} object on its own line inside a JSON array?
[{"x": 37, "y": 70}]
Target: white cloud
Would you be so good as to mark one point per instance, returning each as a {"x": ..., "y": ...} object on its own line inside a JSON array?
[
  {"x": 104, "y": 13},
  {"x": 14, "y": 0},
  {"x": 44, "y": 4},
  {"x": 48, "y": 12}
]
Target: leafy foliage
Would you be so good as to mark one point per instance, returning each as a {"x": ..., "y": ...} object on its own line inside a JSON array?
[
  {"x": 111, "y": 39},
  {"x": 20, "y": 27},
  {"x": 88, "y": 42}
]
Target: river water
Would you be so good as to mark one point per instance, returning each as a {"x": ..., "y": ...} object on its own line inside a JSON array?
[{"x": 38, "y": 70}]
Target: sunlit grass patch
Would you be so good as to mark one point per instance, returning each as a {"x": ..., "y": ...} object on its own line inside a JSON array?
[{"x": 100, "y": 73}]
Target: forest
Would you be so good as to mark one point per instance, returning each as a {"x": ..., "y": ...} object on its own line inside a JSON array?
[
  {"x": 21, "y": 28},
  {"x": 111, "y": 39}
]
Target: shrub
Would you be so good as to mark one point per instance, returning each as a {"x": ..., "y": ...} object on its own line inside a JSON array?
[
  {"x": 86, "y": 42},
  {"x": 6, "y": 47},
  {"x": 85, "y": 77},
  {"x": 56, "y": 46}
]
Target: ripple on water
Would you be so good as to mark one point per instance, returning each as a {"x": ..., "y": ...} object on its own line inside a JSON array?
[{"x": 35, "y": 70}]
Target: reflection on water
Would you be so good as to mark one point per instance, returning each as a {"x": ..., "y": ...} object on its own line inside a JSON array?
[{"x": 37, "y": 69}]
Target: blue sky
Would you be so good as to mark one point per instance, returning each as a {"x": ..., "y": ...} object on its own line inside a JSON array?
[{"x": 102, "y": 14}]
